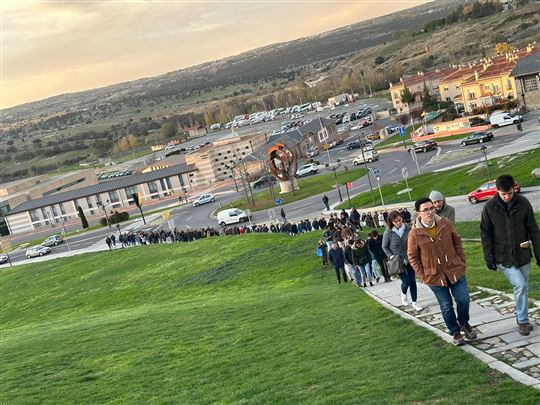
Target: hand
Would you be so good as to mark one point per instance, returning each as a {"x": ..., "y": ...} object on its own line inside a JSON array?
[
  {"x": 492, "y": 266},
  {"x": 391, "y": 257}
]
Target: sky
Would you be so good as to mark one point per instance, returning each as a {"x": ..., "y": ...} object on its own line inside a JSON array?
[{"x": 54, "y": 47}]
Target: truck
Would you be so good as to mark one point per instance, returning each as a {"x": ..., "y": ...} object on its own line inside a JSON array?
[{"x": 502, "y": 118}]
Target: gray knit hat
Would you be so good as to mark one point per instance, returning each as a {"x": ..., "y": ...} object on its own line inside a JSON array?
[{"x": 436, "y": 196}]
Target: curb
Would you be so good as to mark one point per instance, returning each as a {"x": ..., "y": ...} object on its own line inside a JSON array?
[{"x": 491, "y": 361}]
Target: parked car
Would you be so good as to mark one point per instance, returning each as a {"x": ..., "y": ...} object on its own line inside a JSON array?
[
  {"x": 312, "y": 152},
  {"x": 3, "y": 259},
  {"x": 264, "y": 181},
  {"x": 373, "y": 137},
  {"x": 477, "y": 137},
  {"x": 487, "y": 190},
  {"x": 52, "y": 240},
  {"x": 307, "y": 170},
  {"x": 477, "y": 121},
  {"x": 370, "y": 156},
  {"x": 424, "y": 146},
  {"x": 37, "y": 251},
  {"x": 204, "y": 199},
  {"x": 501, "y": 118},
  {"x": 390, "y": 129},
  {"x": 232, "y": 216},
  {"x": 354, "y": 145}
]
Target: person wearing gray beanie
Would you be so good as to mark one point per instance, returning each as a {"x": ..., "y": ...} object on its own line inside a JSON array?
[{"x": 441, "y": 207}]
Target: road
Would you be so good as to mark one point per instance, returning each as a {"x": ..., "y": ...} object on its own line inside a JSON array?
[{"x": 506, "y": 140}]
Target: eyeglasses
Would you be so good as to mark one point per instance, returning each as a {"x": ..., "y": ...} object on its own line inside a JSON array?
[{"x": 426, "y": 210}]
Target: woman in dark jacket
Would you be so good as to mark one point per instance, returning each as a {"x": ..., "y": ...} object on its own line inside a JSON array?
[
  {"x": 395, "y": 239},
  {"x": 361, "y": 261},
  {"x": 375, "y": 247}
]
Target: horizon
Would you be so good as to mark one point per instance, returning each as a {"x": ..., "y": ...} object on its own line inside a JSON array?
[{"x": 85, "y": 46}]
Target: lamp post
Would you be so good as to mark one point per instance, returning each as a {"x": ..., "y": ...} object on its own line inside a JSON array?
[
  {"x": 483, "y": 149},
  {"x": 362, "y": 142},
  {"x": 334, "y": 168}
]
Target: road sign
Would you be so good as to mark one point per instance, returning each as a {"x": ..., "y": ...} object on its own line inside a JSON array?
[
  {"x": 166, "y": 215},
  {"x": 278, "y": 201},
  {"x": 349, "y": 185},
  {"x": 402, "y": 131},
  {"x": 404, "y": 172}
]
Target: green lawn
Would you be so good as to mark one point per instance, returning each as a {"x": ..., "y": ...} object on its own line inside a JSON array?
[
  {"x": 236, "y": 325},
  {"x": 309, "y": 186},
  {"x": 454, "y": 182}
]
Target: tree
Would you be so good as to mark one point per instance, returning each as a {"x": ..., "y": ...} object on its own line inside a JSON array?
[
  {"x": 379, "y": 60},
  {"x": 208, "y": 118},
  {"x": 503, "y": 47},
  {"x": 82, "y": 217},
  {"x": 429, "y": 103},
  {"x": 168, "y": 130},
  {"x": 407, "y": 97}
]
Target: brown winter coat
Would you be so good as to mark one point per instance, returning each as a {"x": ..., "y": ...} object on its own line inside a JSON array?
[{"x": 435, "y": 260}]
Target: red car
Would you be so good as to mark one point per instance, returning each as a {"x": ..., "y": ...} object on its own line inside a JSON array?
[{"x": 486, "y": 191}]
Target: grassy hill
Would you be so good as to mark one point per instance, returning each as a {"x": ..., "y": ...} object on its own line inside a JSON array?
[{"x": 250, "y": 319}]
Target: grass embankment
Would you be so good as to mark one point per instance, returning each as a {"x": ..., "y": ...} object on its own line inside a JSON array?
[
  {"x": 309, "y": 186},
  {"x": 455, "y": 181},
  {"x": 252, "y": 318}
]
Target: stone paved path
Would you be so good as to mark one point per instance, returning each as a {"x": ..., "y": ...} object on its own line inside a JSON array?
[{"x": 492, "y": 317}]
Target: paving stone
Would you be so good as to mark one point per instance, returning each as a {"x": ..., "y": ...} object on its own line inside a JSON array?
[
  {"x": 535, "y": 349},
  {"x": 506, "y": 347},
  {"x": 526, "y": 363}
]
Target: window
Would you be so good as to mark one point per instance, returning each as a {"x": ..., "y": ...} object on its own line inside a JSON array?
[
  {"x": 471, "y": 95},
  {"x": 34, "y": 216},
  {"x": 323, "y": 135},
  {"x": 152, "y": 187},
  {"x": 445, "y": 88},
  {"x": 113, "y": 196},
  {"x": 89, "y": 202},
  {"x": 62, "y": 208},
  {"x": 496, "y": 89},
  {"x": 448, "y": 98},
  {"x": 54, "y": 211},
  {"x": 130, "y": 191},
  {"x": 530, "y": 84}
]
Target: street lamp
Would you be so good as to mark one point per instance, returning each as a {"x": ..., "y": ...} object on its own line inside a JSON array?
[
  {"x": 334, "y": 168},
  {"x": 483, "y": 149},
  {"x": 362, "y": 142}
]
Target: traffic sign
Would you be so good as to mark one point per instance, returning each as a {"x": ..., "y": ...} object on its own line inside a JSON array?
[
  {"x": 401, "y": 131},
  {"x": 278, "y": 201},
  {"x": 404, "y": 172},
  {"x": 349, "y": 185}
]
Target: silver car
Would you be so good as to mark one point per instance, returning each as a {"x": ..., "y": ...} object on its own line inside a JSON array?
[{"x": 37, "y": 251}]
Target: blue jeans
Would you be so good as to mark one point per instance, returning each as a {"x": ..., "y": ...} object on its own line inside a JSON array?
[
  {"x": 519, "y": 278},
  {"x": 408, "y": 279},
  {"x": 363, "y": 275},
  {"x": 460, "y": 292}
]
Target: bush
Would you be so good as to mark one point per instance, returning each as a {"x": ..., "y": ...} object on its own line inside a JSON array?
[{"x": 115, "y": 218}]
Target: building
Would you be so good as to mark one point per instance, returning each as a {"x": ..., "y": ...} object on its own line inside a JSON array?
[
  {"x": 16, "y": 192},
  {"x": 196, "y": 130},
  {"x": 33, "y": 215},
  {"x": 214, "y": 162},
  {"x": 168, "y": 161},
  {"x": 416, "y": 84},
  {"x": 315, "y": 134},
  {"x": 450, "y": 86},
  {"x": 526, "y": 73}
]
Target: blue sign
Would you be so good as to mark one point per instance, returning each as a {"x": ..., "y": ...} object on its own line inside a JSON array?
[
  {"x": 401, "y": 131},
  {"x": 278, "y": 201}
]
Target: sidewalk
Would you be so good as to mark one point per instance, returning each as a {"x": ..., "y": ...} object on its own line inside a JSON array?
[{"x": 499, "y": 344}]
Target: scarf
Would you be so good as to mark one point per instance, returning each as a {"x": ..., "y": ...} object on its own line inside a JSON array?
[{"x": 399, "y": 231}]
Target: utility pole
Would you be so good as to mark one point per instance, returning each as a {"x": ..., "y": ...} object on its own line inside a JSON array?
[{"x": 367, "y": 168}]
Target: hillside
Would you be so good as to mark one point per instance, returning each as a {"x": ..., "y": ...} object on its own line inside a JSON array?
[{"x": 238, "y": 324}]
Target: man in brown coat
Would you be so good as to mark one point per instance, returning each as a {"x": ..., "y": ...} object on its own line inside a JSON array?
[{"x": 436, "y": 255}]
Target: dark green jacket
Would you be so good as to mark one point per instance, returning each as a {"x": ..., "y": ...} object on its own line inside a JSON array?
[
  {"x": 361, "y": 255},
  {"x": 502, "y": 230}
]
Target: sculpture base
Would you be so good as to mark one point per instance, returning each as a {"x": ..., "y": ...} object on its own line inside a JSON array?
[{"x": 287, "y": 186}]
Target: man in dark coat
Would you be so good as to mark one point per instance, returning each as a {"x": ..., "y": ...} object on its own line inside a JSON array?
[
  {"x": 337, "y": 258},
  {"x": 508, "y": 231},
  {"x": 326, "y": 203}
]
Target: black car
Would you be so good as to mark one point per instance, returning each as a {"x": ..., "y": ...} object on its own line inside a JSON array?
[
  {"x": 477, "y": 121},
  {"x": 477, "y": 137},
  {"x": 424, "y": 146},
  {"x": 264, "y": 181}
]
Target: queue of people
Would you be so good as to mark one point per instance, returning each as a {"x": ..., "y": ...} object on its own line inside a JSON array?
[{"x": 424, "y": 246}]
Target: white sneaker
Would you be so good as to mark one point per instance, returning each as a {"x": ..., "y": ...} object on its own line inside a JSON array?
[
  {"x": 416, "y": 306},
  {"x": 404, "y": 300}
]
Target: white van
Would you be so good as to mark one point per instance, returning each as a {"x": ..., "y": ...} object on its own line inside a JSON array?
[
  {"x": 500, "y": 119},
  {"x": 370, "y": 155},
  {"x": 231, "y": 216}
]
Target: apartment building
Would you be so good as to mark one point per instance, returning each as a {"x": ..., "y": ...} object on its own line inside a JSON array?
[{"x": 215, "y": 162}]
